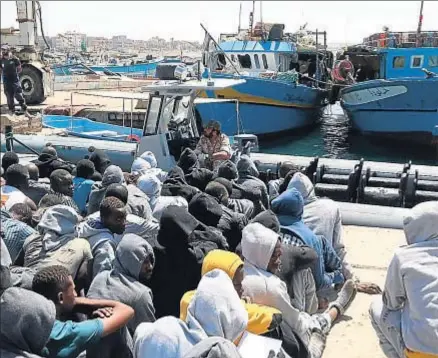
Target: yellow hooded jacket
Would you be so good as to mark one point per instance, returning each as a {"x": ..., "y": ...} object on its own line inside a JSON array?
[{"x": 261, "y": 319}]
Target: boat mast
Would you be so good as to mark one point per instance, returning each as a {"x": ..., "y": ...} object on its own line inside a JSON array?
[
  {"x": 240, "y": 18},
  {"x": 251, "y": 19},
  {"x": 261, "y": 20},
  {"x": 420, "y": 23}
]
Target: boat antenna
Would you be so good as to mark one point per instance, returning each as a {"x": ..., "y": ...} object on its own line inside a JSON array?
[
  {"x": 420, "y": 23},
  {"x": 261, "y": 20},
  {"x": 251, "y": 19},
  {"x": 240, "y": 18},
  {"x": 220, "y": 49}
]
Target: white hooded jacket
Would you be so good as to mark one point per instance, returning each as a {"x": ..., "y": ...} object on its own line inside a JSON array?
[
  {"x": 263, "y": 287},
  {"x": 215, "y": 311},
  {"x": 412, "y": 280}
]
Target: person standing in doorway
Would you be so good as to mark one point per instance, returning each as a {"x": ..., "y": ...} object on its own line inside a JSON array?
[{"x": 10, "y": 68}]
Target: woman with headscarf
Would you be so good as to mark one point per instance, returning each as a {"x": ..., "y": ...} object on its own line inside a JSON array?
[
  {"x": 215, "y": 311},
  {"x": 182, "y": 245}
]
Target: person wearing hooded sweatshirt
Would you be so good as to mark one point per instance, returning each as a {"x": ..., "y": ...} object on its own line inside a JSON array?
[
  {"x": 295, "y": 267},
  {"x": 207, "y": 210},
  {"x": 100, "y": 159},
  {"x": 101, "y": 233},
  {"x": 262, "y": 320},
  {"x": 154, "y": 170},
  {"x": 261, "y": 248},
  {"x": 215, "y": 311},
  {"x": 24, "y": 312},
  {"x": 48, "y": 162},
  {"x": 249, "y": 179},
  {"x": 181, "y": 247},
  {"x": 221, "y": 189},
  {"x": 194, "y": 174},
  {"x": 151, "y": 186},
  {"x": 406, "y": 317},
  {"x": 274, "y": 185},
  {"x": 176, "y": 185},
  {"x": 126, "y": 282},
  {"x": 55, "y": 243},
  {"x": 289, "y": 209},
  {"x": 323, "y": 217},
  {"x": 137, "y": 200}
]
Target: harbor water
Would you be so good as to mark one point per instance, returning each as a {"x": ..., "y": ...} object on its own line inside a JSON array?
[{"x": 333, "y": 137}]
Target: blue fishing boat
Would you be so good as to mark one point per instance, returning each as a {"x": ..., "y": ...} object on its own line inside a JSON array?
[
  {"x": 402, "y": 102},
  {"x": 281, "y": 90},
  {"x": 86, "y": 128}
]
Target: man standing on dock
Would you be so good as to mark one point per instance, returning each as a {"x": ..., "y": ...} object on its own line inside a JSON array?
[
  {"x": 10, "y": 68},
  {"x": 214, "y": 144}
]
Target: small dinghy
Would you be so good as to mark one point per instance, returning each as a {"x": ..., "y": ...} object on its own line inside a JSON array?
[{"x": 86, "y": 128}]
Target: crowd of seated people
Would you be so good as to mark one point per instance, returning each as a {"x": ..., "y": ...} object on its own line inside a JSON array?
[{"x": 97, "y": 262}]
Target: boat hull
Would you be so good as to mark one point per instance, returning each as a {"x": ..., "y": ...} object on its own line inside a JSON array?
[
  {"x": 404, "y": 109},
  {"x": 262, "y": 120},
  {"x": 267, "y": 107}
]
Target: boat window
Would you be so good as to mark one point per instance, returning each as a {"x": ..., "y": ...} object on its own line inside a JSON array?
[
  {"x": 256, "y": 61},
  {"x": 245, "y": 61},
  {"x": 265, "y": 61},
  {"x": 433, "y": 61},
  {"x": 233, "y": 58},
  {"x": 153, "y": 115},
  {"x": 398, "y": 62},
  {"x": 417, "y": 61}
]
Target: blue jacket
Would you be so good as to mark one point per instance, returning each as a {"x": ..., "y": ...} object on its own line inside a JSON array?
[
  {"x": 289, "y": 209},
  {"x": 82, "y": 189}
]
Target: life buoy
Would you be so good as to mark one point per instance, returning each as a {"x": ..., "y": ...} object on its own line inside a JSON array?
[
  {"x": 133, "y": 138},
  {"x": 341, "y": 70}
]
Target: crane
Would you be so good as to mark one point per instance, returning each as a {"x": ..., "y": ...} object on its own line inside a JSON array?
[{"x": 36, "y": 78}]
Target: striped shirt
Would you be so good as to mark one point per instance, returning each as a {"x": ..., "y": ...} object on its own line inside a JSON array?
[{"x": 65, "y": 200}]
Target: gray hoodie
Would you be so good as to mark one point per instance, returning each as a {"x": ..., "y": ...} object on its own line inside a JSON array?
[
  {"x": 102, "y": 241},
  {"x": 323, "y": 217},
  {"x": 55, "y": 242},
  {"x": 122, "y": 282},
  {"x": 213, "y": 347},
  {"x": 23, "y": 313},
  {"x": 412, "y": 280}
]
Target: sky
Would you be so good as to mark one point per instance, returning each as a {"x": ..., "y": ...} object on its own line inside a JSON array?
[{"x": 345, "y": 21}]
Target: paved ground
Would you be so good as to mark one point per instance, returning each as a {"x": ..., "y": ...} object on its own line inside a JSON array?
[{"x": 370, "y": 250}]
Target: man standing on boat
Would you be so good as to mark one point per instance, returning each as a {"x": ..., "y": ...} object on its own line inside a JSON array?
[
  {"x": 214, "y": 145},
  {"x": 10, "y": 68}
]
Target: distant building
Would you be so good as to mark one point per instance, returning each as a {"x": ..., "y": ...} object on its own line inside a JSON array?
[
  {"x": 98, "y": 43},
  {"x": 70, "y": 41}
]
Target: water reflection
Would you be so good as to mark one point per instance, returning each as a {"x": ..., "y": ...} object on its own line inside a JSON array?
[{"x": 334, "y": 138}]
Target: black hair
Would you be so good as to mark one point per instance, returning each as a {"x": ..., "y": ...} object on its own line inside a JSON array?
[
  {"x": 50, "y": 150},
  {"x": 21, "y": 212},
  {"x": 16, "y": 174},
  {"x": 8, "y": 159},
  {"x": 287, "y": 179},
  {"x": 85, "y": 168},
  {"x": 96, "y": 176},
  {"x": 50, "y": 281},
  {"x": 50, "y": 200},
  {"x": 118, "y": 191},
  {"x": 57, "y": 177},
  {"x": 34, "y": 172},
  {"x": 286, "y": 167},
  {"x": 217, "y": 190},
  {"x": 109, "y": 204}
]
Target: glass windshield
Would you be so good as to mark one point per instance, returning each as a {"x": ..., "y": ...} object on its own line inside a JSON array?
[{"x": 153, "y": 115}]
